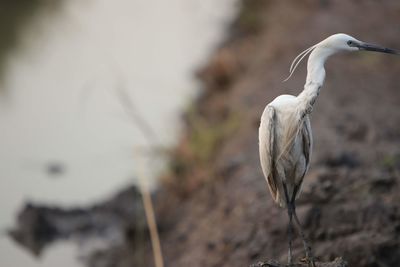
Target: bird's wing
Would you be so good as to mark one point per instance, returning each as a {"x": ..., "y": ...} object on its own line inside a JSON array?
[
  {"x": 305, "y": 136},
  {"x": 307, "y": 141},
  {"x": 268, "y": 149}
]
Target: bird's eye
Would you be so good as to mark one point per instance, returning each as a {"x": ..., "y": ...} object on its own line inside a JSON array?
[{"x": 350, "y": 43}]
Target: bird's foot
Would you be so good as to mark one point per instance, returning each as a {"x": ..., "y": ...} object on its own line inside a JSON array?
[{"x": 309, "y": 260}]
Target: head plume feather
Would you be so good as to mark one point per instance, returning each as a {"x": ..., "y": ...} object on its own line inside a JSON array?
[{"x": 297, "y": 61}]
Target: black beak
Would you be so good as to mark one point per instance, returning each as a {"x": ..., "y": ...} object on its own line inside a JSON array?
[{"x": 377, "y": 48}]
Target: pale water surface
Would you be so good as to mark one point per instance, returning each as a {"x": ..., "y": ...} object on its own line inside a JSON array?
[{"x": 62, "y": 108}]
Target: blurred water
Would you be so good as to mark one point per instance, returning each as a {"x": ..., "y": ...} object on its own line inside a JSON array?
[{"x": 65, "y": 138}]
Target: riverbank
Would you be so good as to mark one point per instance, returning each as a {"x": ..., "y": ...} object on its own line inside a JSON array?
[
  {"x": 214, "y": 208},
  {"x": 224, "y": 215}
]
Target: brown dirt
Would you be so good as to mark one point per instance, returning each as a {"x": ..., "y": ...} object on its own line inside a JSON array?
[{"x": 215, "y": 209}]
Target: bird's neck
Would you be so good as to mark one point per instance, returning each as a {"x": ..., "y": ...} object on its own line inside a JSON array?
[{"x": 315, "y": 78}]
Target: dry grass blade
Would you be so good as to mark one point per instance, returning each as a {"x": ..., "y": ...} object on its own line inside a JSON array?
[
  {"x": 150, "y": 216},
  {"x": 151, "y": 137}
]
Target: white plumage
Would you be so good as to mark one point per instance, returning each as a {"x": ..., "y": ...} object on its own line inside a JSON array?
[
  {"x": 285, "y": 137},
  {"x": 283, "y": 158}
]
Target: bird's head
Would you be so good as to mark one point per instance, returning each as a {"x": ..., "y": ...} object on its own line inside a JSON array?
[
  {"x": 337, "y": 43},
  {"x": 343, "y": 42}
]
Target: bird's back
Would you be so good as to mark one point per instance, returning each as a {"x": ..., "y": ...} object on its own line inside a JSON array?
[{"x": 285, "y": 142}]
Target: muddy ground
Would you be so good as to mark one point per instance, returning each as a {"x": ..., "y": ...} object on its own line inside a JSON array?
[
  {"x": 350, "y": 203},
  {"x": 214, "y": 208}
]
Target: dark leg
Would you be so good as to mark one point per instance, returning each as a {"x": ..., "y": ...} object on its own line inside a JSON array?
[
  {"x": 290, "y": 234},
  {"x": 307, "y": 247},
  {"x": 290, "y": 226}
]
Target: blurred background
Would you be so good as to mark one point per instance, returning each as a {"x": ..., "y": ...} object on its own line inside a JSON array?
[
  {"x": 95, "y": 94},
  {"x": 65, "y": 136}
]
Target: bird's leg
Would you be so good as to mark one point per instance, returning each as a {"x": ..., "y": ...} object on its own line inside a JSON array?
[
  {"x": 307, "y": 247},
  {"x": 290, "y": 225},
  {"x": 290, "y": 234}
]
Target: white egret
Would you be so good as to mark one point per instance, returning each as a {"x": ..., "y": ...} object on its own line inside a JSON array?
[{"x": 285, "y": 138}]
